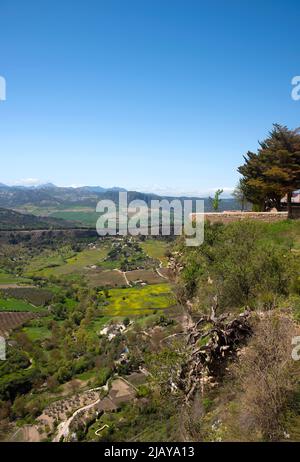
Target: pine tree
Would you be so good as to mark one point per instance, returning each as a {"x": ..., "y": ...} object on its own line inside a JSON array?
[{"x": 274, "y": 172}]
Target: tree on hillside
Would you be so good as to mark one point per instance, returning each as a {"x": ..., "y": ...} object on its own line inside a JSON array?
[
  {"x": 216, "y": 200},
  {"x": 274, "y": 171}
]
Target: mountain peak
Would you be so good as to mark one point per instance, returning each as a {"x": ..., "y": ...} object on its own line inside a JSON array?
[{"x": 46, "y": 186}]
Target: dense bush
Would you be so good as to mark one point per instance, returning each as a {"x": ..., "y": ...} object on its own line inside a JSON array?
[{"x": 241, "y": 264}]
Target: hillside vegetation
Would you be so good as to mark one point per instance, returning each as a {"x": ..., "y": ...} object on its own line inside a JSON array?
[
  {"x": 10, "y": 219},
  {"x": 199, "y": 338},
  {"x": 254, "y": 268}
]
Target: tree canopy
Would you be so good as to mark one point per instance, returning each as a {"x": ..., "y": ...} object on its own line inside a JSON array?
[{"x": 274, "y": 171}]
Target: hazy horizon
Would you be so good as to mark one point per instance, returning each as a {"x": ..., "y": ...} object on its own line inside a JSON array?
[{"x": 35, "y": 183}]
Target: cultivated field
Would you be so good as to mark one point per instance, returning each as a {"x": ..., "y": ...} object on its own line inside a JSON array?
[
  {"x": 85, "y": 215},
  {"x": 61, "y": 265},
  {"x": 62, "y": 409},
  {"x": 7, "y": 279},
  {"x": 10, "y": 321},
  {"x": 32, "y": 295},
  {"x": 105, "y": 278},
  {"x": 14, "y": 304},
  {"x": 134, "y": 301},
  {"x": 148, "y": 276}
]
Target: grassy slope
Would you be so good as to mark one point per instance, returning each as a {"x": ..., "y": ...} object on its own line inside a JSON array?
[
  {"x": 35, "y": 333},
  {"x": 59, "y": 263},
  {"x": 155, "y": 249}
]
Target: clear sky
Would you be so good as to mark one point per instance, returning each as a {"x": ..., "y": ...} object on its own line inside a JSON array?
[{"x": 161, "y": 95}]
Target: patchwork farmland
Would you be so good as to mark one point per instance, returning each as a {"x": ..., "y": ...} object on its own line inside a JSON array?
[{"x": 66, "y": 305}]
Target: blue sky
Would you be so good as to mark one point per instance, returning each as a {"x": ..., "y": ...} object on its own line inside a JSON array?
[{"x": 160, "y": 95}]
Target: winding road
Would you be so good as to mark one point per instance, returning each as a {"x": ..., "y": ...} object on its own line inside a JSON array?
[{"x": 64, "y": 427}]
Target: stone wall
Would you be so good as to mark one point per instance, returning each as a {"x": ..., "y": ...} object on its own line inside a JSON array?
[{"x": 228, "y": 217}]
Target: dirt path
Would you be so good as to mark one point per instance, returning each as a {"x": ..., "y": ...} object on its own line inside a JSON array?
[
  {"x": 124, "y": 276},
  {"x": 101, "y": 429},
  {"x": 158, "y": 270},
  {"x": 160, "y": 274}
]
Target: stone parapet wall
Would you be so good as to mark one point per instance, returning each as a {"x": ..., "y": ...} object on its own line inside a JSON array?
[{"x": 229, "y": 217}]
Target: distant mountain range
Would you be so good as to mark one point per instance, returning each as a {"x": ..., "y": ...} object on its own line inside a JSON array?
[
  {"x": 51, "y": 186},
  {"x": 49, "y": 195}
]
